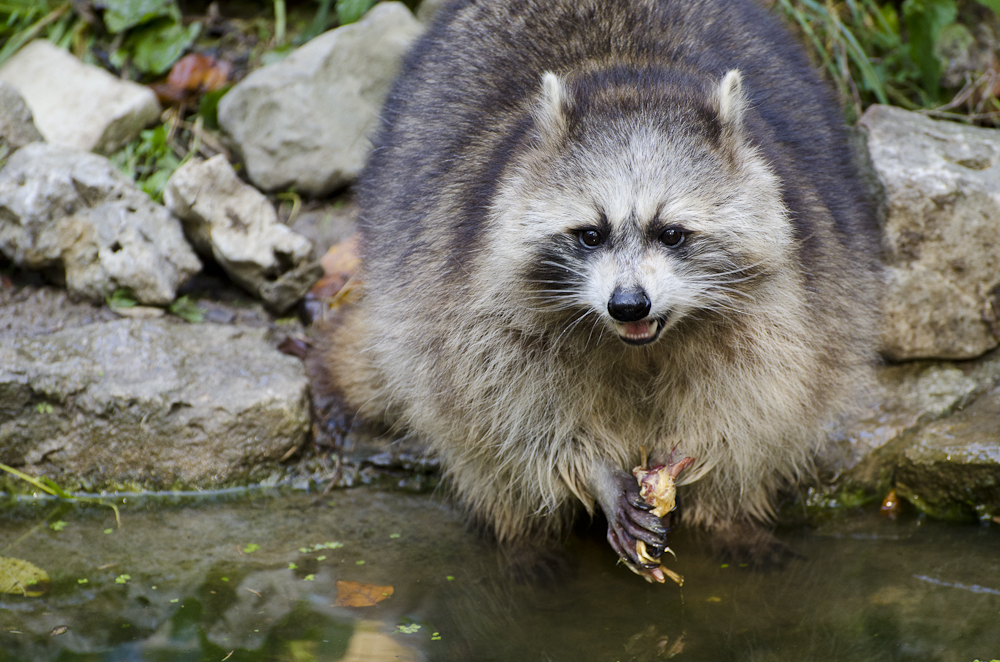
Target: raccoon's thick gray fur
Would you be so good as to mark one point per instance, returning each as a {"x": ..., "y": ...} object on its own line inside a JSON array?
[{"x": 595, "y": 225}]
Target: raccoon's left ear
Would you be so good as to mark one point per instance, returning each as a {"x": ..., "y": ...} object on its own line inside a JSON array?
[{"x": 730, "y": 98}]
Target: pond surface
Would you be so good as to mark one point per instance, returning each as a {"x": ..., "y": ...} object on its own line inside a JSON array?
[{"x": 255, "y": 579}]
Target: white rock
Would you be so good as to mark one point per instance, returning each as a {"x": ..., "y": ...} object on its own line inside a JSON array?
[
  {"x": 74, "y": 215},
  {"x": 941, "y": 209},
  {"x": 304, "y": 122},
  {"x": 77, "y": 104},
  {"x": 237, "y": 225}
]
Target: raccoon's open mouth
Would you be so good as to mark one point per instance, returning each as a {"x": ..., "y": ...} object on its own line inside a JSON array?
[{"x": 641, "y": 332}]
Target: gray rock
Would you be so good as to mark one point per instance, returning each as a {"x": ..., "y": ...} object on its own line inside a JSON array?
[
  {"x": 327, "y": 224},
  {"x": 37, "y": 311},
  {"x": 149, "y": 404},
  {"x": 951, "y": 469},
  {"x": 74, "y": 215},
  {"x": 941, "y": 206},
  {"x": 77, "y": 104},
  {"x": 304, "y": 122},
  {"x": 238, "y": 226},
  {"x": 17, "y": 127}
]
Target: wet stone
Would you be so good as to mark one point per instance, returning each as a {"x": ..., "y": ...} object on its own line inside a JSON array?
[
  {"x": 150, "y": 404},
  {"x": 863, "y": 453},
  {"x": 951, "y": 469}
]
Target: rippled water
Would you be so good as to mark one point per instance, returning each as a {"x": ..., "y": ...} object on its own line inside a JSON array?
[{"x": 256, "y": 578}]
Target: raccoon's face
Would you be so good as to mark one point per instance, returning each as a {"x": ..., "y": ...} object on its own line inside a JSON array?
[{"x": 631, "y": 225}]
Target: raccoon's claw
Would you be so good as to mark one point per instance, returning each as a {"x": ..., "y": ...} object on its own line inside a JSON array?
[{"x": 630, "y": 521}]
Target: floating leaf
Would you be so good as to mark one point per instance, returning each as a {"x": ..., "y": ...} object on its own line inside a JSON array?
[
  {"x": 23, "y": 578},
  {"x": 122, "y": 579},
  {"x": 356, "y": 594},
  {"x": 251, "y": 548},
  {"x": 58, "y": 526}
]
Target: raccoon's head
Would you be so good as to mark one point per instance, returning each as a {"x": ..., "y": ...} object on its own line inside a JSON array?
[{"x": 642, "y": 202}]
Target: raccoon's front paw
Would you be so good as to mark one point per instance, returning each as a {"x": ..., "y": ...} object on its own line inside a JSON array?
[{"x": 630, "y": 520}]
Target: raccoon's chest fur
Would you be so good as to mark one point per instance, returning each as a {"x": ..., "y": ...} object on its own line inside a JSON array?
[{"x": 592, "y": 226}]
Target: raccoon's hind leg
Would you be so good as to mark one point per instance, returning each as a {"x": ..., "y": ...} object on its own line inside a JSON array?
[{"x": 629, "y": 519}]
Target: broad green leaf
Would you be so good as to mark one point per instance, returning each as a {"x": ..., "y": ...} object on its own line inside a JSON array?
[
  {"x": 120, "y": 15},
  {"x": 22, "y": 578},
  {"x": 349, "y": 11},
  {"x": 156, "y": 46}
]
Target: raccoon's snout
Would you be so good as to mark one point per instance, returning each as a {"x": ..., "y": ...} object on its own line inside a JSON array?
[{"x": 630, "y": 306}]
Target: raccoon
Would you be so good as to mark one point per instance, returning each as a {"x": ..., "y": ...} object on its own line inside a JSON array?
[{"x": 595, "y": 226}]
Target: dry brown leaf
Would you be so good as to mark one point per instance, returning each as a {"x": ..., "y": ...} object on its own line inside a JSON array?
[
  {"x": 340, "y": 284},
  {"x": 356, "y": 594},
  {"x": 192, "y": 75}
]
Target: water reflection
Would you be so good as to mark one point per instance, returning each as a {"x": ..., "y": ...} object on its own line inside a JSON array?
[{"x": 257, "y": 579}]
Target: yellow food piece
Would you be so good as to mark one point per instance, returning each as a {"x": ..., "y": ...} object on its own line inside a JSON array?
[{"x": 657, "y": 487}]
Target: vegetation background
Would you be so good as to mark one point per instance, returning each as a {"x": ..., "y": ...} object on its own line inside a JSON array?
[{"x": 939, "y": 57}]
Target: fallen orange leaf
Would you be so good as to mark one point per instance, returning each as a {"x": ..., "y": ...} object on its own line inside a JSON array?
[
  {"x": 192, "y": 75},
  {"x": 356, "y": 594}
]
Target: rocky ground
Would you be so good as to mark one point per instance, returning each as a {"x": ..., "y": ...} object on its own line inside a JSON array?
[{"x": 158, "y": 346}]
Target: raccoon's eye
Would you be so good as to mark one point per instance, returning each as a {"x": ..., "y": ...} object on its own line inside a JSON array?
[
  {"x": 590, "y": 238},
  {"x": 672, "y": 237}
]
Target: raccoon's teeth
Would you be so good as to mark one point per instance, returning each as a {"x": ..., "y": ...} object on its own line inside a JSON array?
[{"x": 639, "y": 330}]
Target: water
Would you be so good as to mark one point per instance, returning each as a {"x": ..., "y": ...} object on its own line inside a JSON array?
[{"x": 226, "y": 579}]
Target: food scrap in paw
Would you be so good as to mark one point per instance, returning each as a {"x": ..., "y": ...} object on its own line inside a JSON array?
[{"x": 657, "y": 488}]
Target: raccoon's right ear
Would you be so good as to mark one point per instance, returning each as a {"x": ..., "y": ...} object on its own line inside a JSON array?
[
  {"x": 553, "y": 107},
  {"x": 731, "y": 99}
]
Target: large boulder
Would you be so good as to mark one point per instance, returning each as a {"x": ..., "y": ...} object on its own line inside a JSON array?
[
  {"x": 151, "y": 404},
  {"x": 73, "y": 215},
  {"x": 76, "y": 104},
  {"x": 304, "y": 122},
  {"x": 941, "y": 209},
  {"x": 17, "y": 126},
  {"x": 235, "y": 224}
]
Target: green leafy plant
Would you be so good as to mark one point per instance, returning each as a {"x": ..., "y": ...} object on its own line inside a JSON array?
[
  {"x": 24, "y": 20},
  {"x": 48, "y": 486},
  {"x": 121, "y": 298},
  {"x": 185, "y": 308},
  {"x": 149, "y": 160},
  {"x": 875, "y": 54}
]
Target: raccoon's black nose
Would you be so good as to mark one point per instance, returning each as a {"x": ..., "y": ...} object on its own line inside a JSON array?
[{"x": 629, "y": 306}]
